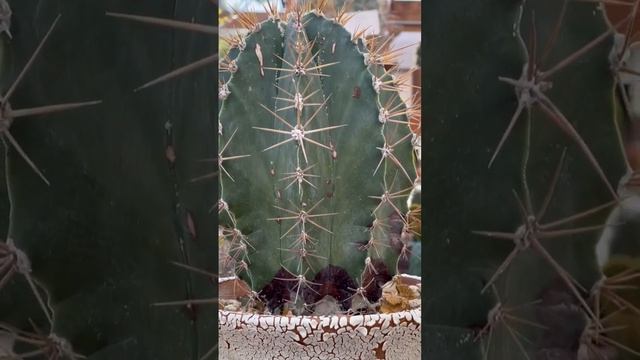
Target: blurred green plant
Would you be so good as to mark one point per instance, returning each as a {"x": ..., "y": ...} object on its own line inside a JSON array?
[{"x": 223, "y": 46}]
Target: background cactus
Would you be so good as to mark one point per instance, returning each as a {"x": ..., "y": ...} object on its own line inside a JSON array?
[
  {"x": 315, "y": 160},
  {"x": 520, "y": 279},
  {"x": 121, "y": 205},
  {"x": 87, "y": 257}
]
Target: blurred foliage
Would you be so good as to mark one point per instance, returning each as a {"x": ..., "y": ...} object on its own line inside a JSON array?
[
  {"x": 223, "y": 47},
  {"x": 355, "y": 5},
  {"x": 358, "y": 5}
]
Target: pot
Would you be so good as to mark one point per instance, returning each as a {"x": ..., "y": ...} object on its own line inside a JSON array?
[{"x": 246, "y": 336}]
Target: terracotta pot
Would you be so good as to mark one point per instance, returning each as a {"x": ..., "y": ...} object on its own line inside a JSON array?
[{"x": 391, "y": 336}]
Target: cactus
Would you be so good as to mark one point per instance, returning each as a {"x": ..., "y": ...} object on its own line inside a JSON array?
[
  {"x": 89, "y": 256},
  {"x": 315, "y": 161},
  {"x": 524, "y": 142}
]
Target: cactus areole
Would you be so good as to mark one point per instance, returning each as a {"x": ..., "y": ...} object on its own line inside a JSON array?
[{"x": 313, "y": 184}]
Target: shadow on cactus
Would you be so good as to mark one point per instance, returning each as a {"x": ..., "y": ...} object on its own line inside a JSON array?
[{"x": 315, "y": 164}]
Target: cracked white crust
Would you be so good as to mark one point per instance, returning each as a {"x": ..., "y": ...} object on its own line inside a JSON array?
[{"x": 377, "y": 336}]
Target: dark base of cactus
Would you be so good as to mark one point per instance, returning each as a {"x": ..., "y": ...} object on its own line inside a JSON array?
[
  {"x": 334, "y": 281},
  {"x": 284, "y": 291},
  {"x": 331, "y": 284}
]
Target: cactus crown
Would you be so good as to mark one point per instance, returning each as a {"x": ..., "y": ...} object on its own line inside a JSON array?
[{"x": 315, "y": 158}]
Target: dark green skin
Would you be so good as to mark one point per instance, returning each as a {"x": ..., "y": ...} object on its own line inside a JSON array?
[
  {"x": 346, "y": 182},
  {"x": 446, "y": 342},
  {"x": 468, "y": 111},
  {"x": 102, "y": 236}
]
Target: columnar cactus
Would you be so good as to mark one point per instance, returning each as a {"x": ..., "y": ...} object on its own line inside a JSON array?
[
  {"x": 315, "y": 161},
  {"x": 522, "y": 151}
]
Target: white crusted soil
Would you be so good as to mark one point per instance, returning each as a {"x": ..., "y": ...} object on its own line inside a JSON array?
[{"x": 394, "y": 336}]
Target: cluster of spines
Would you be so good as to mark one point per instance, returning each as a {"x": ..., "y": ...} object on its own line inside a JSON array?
[
  {"x": 189, "y": 304},
  {"x": 14, "y": 261},
  {"x": 394, "y": 115},
  {"x": 306, "y": 218},
  {"x": 301, "y": 176},
  {"x": 530, "y": 87},
  {"x": 234, "y": 258}
]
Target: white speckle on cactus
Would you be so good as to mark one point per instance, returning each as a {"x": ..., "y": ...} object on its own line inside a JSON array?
[
  {"x": 386, "y": 151},
  {"x": 367, "y": 261},
  {"x": 299, "y": 176},
  {"x": 297, "y": 133},
  {"x": 260, "y": 60},
  {"x": 388, "y": 197},
  {"x": 383, "y": 115},
  {"x": 299, "y": 47},
  {"x": 377, "y": 83},
  {"x": 334, "y": 153},
  {"x": 222, "y": 205},
  {"x": 416, "y": 141},
  {"x": 367, "y": 59},
  {"x": 299, "y": 68},
  {"x": 223, "y": 92},
  {"x": 233, "y": 66},
  {"x": 298, "y": 101}
]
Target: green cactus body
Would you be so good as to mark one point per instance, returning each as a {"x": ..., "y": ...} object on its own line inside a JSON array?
[
  {"x": 304, "y": 127},
  {"x": 120, "y": 206},
  {"x": 537, "y": 245}
]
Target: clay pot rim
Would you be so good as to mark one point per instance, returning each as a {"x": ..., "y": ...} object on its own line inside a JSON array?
[{"x": 415, "y": 314}]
